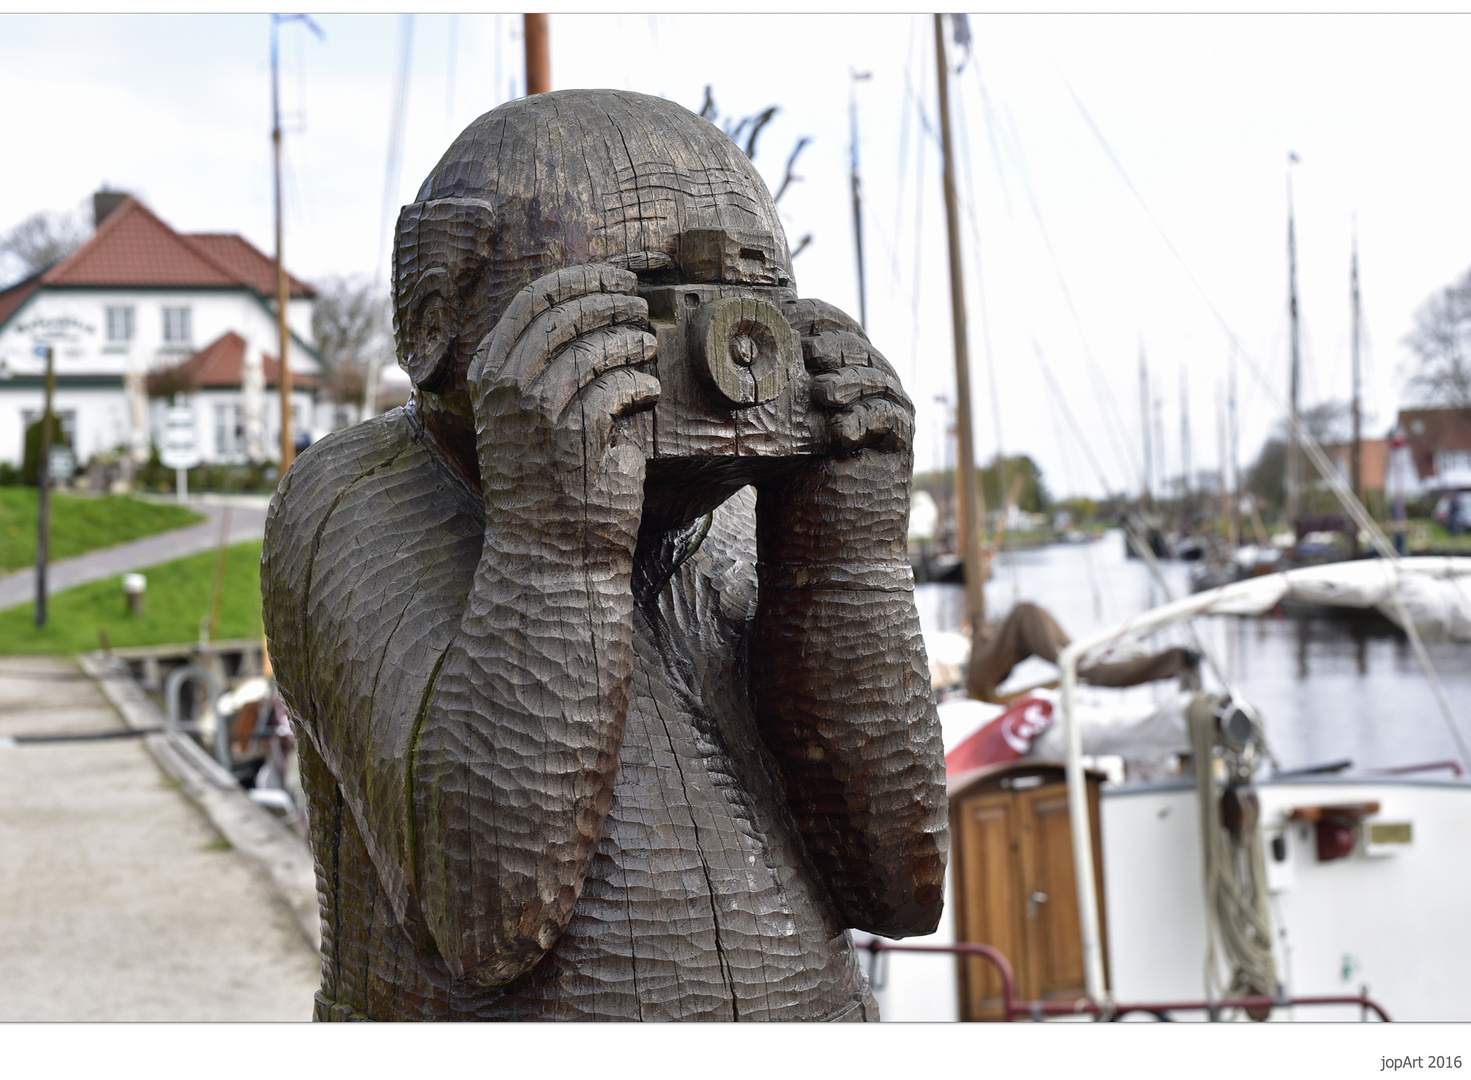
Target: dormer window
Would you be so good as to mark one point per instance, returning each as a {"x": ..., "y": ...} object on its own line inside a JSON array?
[
  {"x": 119, "y": 325},
  {"x": 176, "y": 329}
]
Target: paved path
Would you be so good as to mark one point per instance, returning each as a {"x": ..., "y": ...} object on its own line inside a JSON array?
[
  {"x": 247, "y": 522},
  {"x": 118, "y": 901}
]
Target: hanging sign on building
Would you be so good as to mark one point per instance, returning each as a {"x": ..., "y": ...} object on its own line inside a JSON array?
[{"x": 179, "y": 449}]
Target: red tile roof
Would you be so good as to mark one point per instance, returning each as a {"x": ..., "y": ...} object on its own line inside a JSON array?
[
  {"x": 12, "y": 298},
  {"x": 246, "y": 262},
  {"x": 1429, "y": 430},
  {"x": 219, "y": 364},
  {"x": 133, "y": 247}
]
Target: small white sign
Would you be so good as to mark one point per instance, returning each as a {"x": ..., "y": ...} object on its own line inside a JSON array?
[
  {"x": 179, "y": 450},
  {"x": 63, "y": 464}
]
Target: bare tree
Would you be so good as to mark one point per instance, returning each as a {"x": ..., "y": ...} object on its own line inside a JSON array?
[
  {"x": 1330, "y": 423},
  {"x": 45, "y": 237},
  {"x": 1440, "y": 342},
  {"x": 349, "y": 322},
  {"x": 751, "y": 127}
]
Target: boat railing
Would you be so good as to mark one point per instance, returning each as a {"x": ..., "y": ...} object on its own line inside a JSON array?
[
  {"x": 1013, "y": 1007},
  {"x": 1406, "y": 770}
]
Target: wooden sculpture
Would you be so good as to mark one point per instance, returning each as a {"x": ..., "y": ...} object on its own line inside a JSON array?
[{"x": 602, "y": 653}]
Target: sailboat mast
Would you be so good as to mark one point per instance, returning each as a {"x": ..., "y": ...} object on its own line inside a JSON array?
[
  {"x": 1184, "y": 436},
  {"x": 1221, "y": 488},
  {"x": 538, "y": 54},
  {"x": 288, "y": 437},
  {"x": 854, "y": 78},
  {"x": 970, "y": 528},
  {"x": 1356, "y": 451},
  {"x": 1294, "y": 456},
  {"x": 1144, "y": 425},
  {"x": 1234, "y": 452}
]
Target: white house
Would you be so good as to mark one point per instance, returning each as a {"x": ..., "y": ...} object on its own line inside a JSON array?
[{"x": 138, "y": 297}]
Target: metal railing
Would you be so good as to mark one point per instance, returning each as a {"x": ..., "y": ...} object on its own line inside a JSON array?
[{"x": 1013, "y": 1007}]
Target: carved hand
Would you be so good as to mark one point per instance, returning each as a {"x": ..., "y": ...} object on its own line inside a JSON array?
[
  {"x": 840, "y": 681},
  {"x": 548, "y": 383},
  {"x": 515, "y": 756}
]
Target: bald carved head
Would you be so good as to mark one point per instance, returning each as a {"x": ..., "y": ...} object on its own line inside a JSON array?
[{"x": 564, "y": 179}]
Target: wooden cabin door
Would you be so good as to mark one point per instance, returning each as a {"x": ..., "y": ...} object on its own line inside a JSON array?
[
  {"x": 1054, "y": 944},
  {"x": 1015, "y": 890},
  {"x": 988, "y": 913}
]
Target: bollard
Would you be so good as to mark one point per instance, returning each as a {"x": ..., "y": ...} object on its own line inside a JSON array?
[{"x": 133, "y": 587}]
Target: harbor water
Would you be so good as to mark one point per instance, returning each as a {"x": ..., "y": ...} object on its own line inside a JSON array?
[{"x": 1329, "y": 688}]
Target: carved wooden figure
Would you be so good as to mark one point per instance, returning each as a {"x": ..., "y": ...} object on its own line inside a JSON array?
[{"x": 603, "y": 653}]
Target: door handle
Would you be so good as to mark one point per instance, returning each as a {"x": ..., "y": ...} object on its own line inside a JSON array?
[{"x": 1036, "y": 897}]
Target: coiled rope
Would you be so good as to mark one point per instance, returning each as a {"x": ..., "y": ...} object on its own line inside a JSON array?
[{"x": 1235, "y": 876}]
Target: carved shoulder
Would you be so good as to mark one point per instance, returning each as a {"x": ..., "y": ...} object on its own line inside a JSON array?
[
  {"x": 370, "y": 550},
  {"x": 305, "y": 499}
]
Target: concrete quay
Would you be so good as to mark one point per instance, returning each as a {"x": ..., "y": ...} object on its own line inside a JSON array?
[{"x": 118, "y": 898}]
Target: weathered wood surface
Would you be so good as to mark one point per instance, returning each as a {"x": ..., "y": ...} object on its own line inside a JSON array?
[{"x": 609, "y": 683}]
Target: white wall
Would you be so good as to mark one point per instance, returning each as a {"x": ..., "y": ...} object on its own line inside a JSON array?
[
  {"x": 1398, "y": 924},
  {"x": 81, "y": 349},
  {"x": 101, "y": 418},
  {"x": 203, "y": 405}
]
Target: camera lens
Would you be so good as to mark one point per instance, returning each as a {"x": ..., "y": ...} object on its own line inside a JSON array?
[{"x": 743, "y": 349}]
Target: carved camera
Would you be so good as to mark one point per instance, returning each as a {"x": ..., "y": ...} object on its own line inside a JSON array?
[{"x": 729, "y": 364}]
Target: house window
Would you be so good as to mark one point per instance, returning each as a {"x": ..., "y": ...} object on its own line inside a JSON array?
[
  {"x": 119, "y": 324},
  {"x": 68, "y": 418},
  {"x": 1452, "y": 461},
  {"x": 176, "y": 325},
  {"x": 229, "y": 431}
]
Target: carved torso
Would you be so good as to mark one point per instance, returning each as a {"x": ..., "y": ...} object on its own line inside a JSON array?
[
  {"x": 588, "y": 729},
  {"x": 698, "y": 903}
]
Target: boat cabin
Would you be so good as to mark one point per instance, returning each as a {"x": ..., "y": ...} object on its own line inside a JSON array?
[{"x": 1012, "y": 859}]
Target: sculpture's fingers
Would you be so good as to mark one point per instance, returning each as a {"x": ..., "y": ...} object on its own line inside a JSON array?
[
  {"x": 535, "y": 300},
  {"x": 555, "y": 329},
  {"x": 812, "y": 317},
  {"x": 588, "y": 358},
  {"x": 616, "y": 393},
  {"x": 833, "y": 350},
  {"x": 873, "y": 423},
  {"x": 839, "y": 389}
]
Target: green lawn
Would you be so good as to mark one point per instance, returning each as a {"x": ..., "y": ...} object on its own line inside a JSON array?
[
  {"x": 178, "y": 597},
  {"x": 1425, "y": 534},
  {"x": 79, "y": 523}
]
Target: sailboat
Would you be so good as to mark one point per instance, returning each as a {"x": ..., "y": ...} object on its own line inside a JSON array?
[{"x": 1090, "y": 887}]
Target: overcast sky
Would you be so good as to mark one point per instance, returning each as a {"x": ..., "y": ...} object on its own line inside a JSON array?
[{"x": 1062, "y": 260}]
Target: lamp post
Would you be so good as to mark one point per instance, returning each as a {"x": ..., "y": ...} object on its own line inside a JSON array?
[
  {"x": 43, "y": 481},
  {"x": 288, "y": 440}
]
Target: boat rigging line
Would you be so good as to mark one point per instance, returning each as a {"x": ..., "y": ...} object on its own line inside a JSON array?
[
  {"x": 919, "y": 202},
  {"x": 903, "y": 156},
  {"x": 1055, "y": 393},
  {"x": 975, "y": 593},
  {"x": 392, "y": 173},
  {"x": 1113, "y": 421},
  {"x": 1298, "y": 432},
  {"x": 1002, "y": 481},
  {"x": 1072, "y": 422},
  {"x": 1141, "y": 546},
  {"x": 854, "y": 78}
]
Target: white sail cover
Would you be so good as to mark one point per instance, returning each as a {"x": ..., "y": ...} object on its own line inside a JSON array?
[{"x": 1432, "y": 592}]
